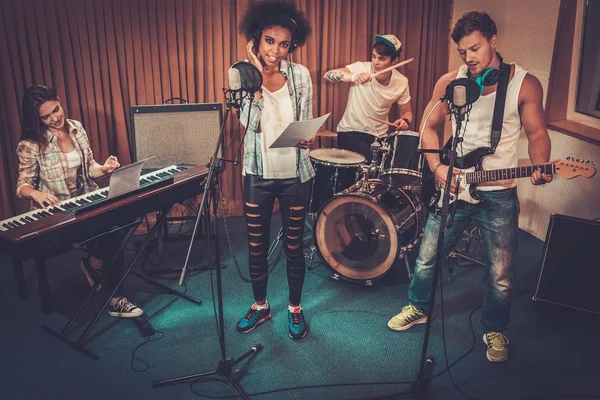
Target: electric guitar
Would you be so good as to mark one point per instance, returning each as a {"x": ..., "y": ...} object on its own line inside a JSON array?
[{"x": 472, "y": 173}]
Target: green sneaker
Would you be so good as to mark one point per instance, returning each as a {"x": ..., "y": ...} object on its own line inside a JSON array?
[
  {"x": 497, "y": 346},
  {"x": 296, "y": 324},
  {"x": 409, "y": 316},
  {"x": 253, "y": 318}
]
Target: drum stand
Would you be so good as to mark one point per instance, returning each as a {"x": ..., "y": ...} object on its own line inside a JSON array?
[
  {"x": 307, "y": 235},
  {"x": 466, "y": 253}
]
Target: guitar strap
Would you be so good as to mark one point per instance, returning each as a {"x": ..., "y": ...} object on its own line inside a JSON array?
[{"x": 499, "y": 106}]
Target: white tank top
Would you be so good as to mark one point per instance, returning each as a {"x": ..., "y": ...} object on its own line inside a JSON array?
[{"x": 479, "y": 128}]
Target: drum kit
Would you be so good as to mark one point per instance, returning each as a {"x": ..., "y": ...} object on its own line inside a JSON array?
[{"x": 367, "y": 216}]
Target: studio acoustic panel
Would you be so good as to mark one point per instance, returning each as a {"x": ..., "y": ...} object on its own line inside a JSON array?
[
  {"x": 175, "y": 133},
  {"x": 570, "y": 266}
]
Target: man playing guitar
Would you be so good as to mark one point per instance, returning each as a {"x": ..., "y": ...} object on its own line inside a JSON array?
[{"x": 497, "y": 214}]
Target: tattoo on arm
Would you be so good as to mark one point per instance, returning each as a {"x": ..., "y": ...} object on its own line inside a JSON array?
[{"x": 334, "y": 76}]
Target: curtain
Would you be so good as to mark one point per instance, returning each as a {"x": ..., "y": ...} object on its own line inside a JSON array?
[{"x": 104, "y": 56}]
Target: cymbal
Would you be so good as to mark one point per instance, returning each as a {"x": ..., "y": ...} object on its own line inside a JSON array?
[{"x": 326, "y": 133}]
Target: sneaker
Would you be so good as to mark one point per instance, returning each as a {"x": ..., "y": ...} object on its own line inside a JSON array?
[
  {"x": 253, "y": 318},
  {"x": 125, "y": 309},
  {"x": 409, "y": 316},
  {"x": 92, "y": 275},
  {"x": 497, "y": 346},
  {"x": 296, "y": 324}
]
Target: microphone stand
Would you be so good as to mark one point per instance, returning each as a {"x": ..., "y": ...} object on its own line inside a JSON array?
[
  {"x": 215, "y": 168},
  {"x": 419, "y": 386}
]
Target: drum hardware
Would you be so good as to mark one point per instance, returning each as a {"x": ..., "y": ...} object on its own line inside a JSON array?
[
  {"x": 308, "y": 232},
  {"x": 404, "y": 170},
  {"x": 471, "y": 256}
]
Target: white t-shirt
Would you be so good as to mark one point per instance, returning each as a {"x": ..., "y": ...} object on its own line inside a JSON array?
[
  {"x": 276, "y": 115},
  {"x": 373, "y": 100},
  {"x": 73, "y": 164}
]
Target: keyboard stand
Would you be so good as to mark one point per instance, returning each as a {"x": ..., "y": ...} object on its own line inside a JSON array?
[
  {"x": 20, "y": 278},
  {"x": 80, "y": 343}
]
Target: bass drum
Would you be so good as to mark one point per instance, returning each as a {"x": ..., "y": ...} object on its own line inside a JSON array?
[{"x": 361, "y": 232}]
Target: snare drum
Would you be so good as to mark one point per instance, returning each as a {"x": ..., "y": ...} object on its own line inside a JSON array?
[
  {"x": 335, "y": 170},
  {"x": 403, "y": 167}
]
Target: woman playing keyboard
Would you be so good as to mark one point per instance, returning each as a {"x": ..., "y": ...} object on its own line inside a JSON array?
[{"x": 55, "y": 164}]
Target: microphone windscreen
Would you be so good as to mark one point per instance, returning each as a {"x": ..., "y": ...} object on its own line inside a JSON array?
[
  {"x": 471, "y": 90},
  {"x": 250, "y": 76}
]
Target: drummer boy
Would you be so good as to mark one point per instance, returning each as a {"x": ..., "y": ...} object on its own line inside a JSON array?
[{"x": 371, "y": 98}]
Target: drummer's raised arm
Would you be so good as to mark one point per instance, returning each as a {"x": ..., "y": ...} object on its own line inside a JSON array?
[{"x": 339, "y": 75}]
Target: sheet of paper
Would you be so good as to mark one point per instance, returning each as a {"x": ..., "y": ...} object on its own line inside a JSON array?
[
  {"x": 125, "y": 179},
  {"x": 298, "y": 131}
]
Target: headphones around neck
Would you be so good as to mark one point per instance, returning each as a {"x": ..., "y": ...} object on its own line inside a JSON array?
[{"x": 489, "y": 77}]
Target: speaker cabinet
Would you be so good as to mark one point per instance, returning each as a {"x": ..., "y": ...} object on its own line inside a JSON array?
[
  {"x": 175, "y": 133},
  {"x": 570, "y": 264}
]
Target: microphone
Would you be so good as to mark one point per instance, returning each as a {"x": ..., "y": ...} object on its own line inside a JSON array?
[
  {"x": 235, "y": 85},
  {"x": 460, "y": 98},
  {"x": 244, "y": 78},
  {"x": 461, "y": 93}
]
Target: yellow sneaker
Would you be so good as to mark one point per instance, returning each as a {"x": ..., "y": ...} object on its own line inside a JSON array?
[
  {"x": 497, "y": 346},
  {"x": 409, "y": 316}
]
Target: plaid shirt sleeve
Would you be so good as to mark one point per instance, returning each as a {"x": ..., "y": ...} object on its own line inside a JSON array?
[{"x": 27, "y": 153}]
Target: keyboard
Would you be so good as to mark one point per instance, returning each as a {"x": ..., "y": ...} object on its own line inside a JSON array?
[{"x": 90, "y": 201}]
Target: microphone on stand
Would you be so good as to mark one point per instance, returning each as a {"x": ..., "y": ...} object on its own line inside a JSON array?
[
  {"x": 235, "y": 87},
  {"x": 244, "y": 79},
  {"x": 461, "y": 93}
]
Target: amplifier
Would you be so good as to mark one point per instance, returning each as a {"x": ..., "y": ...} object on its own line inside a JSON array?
[
  {"x": 175, "y": 133},
  {"x": 570, "y": 265}
]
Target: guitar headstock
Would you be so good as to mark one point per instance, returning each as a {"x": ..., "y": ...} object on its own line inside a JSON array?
[{"x": 570, "y": 169}]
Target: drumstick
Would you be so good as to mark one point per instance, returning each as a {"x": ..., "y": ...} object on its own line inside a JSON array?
[
  {"x": 383, "y": 71},
  {"x": 382, "y": 121}
]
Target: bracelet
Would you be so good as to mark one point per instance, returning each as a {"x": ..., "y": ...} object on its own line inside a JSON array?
[
  {"x": 436, "y": 167},
  {"x": 354, "y": 75}
]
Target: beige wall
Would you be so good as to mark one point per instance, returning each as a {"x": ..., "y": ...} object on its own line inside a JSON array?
[{"x": 526, "y": 33}]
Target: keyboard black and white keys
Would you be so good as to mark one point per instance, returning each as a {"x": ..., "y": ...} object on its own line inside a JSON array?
[
  {"x": 87, "y": 201},
  {"x": 40, "y": 234}
]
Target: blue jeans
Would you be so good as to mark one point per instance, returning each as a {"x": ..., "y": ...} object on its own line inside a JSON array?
[{"x": 497, "y": 217}]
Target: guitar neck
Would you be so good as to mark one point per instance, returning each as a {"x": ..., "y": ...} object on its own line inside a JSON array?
[{"x": 507, "y": 173}]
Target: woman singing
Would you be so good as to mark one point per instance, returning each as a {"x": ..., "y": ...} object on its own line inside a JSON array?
[{"x": 274, "y": 30}]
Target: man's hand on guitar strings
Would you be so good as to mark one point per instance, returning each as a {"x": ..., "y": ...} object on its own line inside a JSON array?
[{"x": 442, "y": 172}]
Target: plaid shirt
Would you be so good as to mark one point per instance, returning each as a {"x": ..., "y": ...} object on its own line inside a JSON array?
[
  {"x": 45, "y": 168},
  {"x": 301, "y": 92}
]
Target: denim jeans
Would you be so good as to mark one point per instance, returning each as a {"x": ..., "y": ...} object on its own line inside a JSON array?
[{"x": 497, "y": 217}]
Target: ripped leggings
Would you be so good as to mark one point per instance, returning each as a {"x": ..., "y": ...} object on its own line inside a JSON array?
[{"x": 259, "y": 197}]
